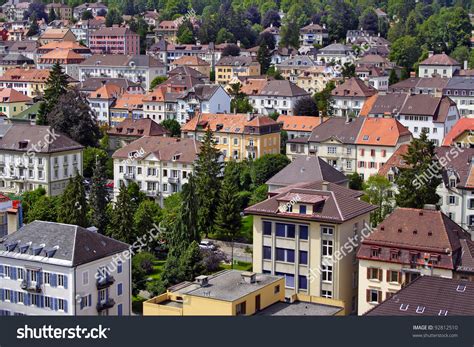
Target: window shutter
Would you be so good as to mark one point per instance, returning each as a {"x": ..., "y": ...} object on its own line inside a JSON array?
[
  {"x": 39, "y": 277},
  {"x": 379, "y": 296},
  {"x": 82, "y": 302},
  {"x": 1, "y": 271},
  {"x": 53, "y": 280},
  {"x": 388, "y": 275},
  {"x": 27, "y": 299},
  {"x": 65, "y": 282},
  {"x": 368, "y": 273},
  {"x": 41, "y": 301},
  {"x": 90, "y": 299},
  {"x": 13, "y": 273},
  {"x": 380, "y": 274},
  {"x": 400, "y": 277},
  {"x": 14, "y": 297},
  {"x": 55, "y": 304},
  {"x": 65, "y": 306},
  {"x": 368, "y": 295},
  {"x": 2, "y": 294}
]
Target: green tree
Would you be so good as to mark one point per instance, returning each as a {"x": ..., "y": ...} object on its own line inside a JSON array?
[
  {"x": 34, "y": 27},
  {"x": 228, "y": 219},
  {"x": 223, "y": 35},
  {"x": 259, "y": 194},
  {"x": 121, "y": 220},
  {"x": 147, "y": 217},
  {"x": 417, "y": 184},
  {"x": 264, "y": 57},
  {"x": 45, "y": 208},
  {"x": 267, "y": 166},
  {"x": 207, "y": 170},
  {"x": 74, "y": 203},
  {"x": 405, "y": 52},
  {"x": 324, "y": 100},
  {"x": 290, "y": 35},
  {"x": 29, "y": 199},
  {"x": 185, "y": 33},
  {"x": 393, "y": 78},
  {"x": 369, "y": 20},
  {"x": 86, "y": 15},
  {"x": 98, "y": 197},
  {"x": 173, "y": 126},
  {"x": 461, "y": 54},
  {"x": 306, "y": 106},
  {"x": 157, "y": 81},
  {"x": 191, "y": 263},
  {"x": 378, "y": 192},
  {"x": 113, "y": 17},
  {"x": 341, "y": 17},
  {"x": 90, "y": 156},
  {"x": 52, "y": 15},
  {"x": 56, "y": 86},
  {"x": 355, "y": 181},
  {"x": 240, "y": 102},
  {"x": 72, "y": 116}
]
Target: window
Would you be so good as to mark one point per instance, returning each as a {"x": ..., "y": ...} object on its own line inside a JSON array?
[
  {"x": 119, "y": 267},
  {"x": 289, "y": 279},
  {"x": 7, "y": 271},
  {"x": 303, "y": 232},
  {"x": 332, "y": 150},
  {"x": 21, "y": 297},
  {"x": 327, "y": 247},
  {"x": 85, "y": 278},
  {"x": 285, "y": 230},
  {"x": 327, "y": 231},
  {"x": 276, "y": 290},
  {"x": 120, "y": 310},
  {"x": 452, "y": 183},
  {"x": 302, "y": 282},
  {"x": 240, "y": 309},
  {"x": 47, "y": 278},
  {"x": 393, "y": 276},
  {"x": 326, "y": 294},
  {"x": 267, "y": 228},
  {"x": 267, "y": 252},
  {"x": 374, "y": 296},
  {"x": 61, "y": 280},
  {"x": 303, "y": 257},
  {"x": 61, "y": 305},
  {"x": 451, "y": 200},
  {"x": 327, "y": 273},
  {"x": 286, "y": 255},
  {"x": 303, "y": 209},
  {"x": 374, "y": 274},
  {"x": 119, "y": 289}
]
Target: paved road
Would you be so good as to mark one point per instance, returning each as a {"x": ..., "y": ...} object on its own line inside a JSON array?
[{"x": 239, "y": 250}]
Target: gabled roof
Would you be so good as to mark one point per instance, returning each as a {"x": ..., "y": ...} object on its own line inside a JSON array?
[
  {"x": 353, "y": 87},
  {"x": 300, "y": 123},
  {"x": 75, "y": 245},
  {"x": 307, "y": 169},
  {"x": 55, "y": 33},
  {"x": 190, "y": 61},
  {"x": 381, "y": 132},
  {"x": 462, "y": 125},
  {"x": 8, "y": 95},
  {"x": 282, "y": 88},
  {"x": 440, "y": 59},
  {"x": 122, "y": 60},
  {"x": 129, "y": 102},
  {"x": 25, "y": 75},
  {"x": 429, "y": 296},
  {"x": 107, "y": 91},
  {"x": 338, "y": 128},
  {"x": 186, "y": 71},
  {"x": 428, "y": 105},
  {"x": 236, "y": 61},
  {"x": 395, "y": 161},
  {"x": 138, "y": 127}
]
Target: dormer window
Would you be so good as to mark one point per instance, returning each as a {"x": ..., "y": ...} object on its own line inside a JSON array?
[
  {"x": 23, "y": 144},
  {"x": 452, "y": 183},
  {"x": 375, "y": 252},
  {"x": 303, "y": 209}
]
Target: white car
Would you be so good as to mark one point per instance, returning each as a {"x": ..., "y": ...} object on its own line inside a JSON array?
[{"x": 207, "y": 245}]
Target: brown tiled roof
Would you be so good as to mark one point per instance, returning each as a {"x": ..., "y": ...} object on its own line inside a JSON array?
[
  {"x": 462, "y": 125},
  {"x": 434, "y": 296},
  {"x": 439, "y": 59},
  {"x": 305, "y": 169},
  {"x": 236, "y": 61},
  {"x": 278, "y": 88},
  {"x": 186, "y": 71},
  {"x": 354, "y": 87},
  {"x": 300, "y": 123},
  {"x": 253, "y": 86},
  {"x": 415, "y": 230},
  {"x": 11, "y": 95},
  {"x": 164, "y": 148},
  {"x": 382, "y": 132},
  {"x": 396, "y": 160},
  {"x": 63, "y": 45},
  {"x": 461, "y": 165},
  {"x": 388, "y": 104},
  {"x": 107, "y": 91},
  {"x": 466, "y": 263},
  {"x": 15, "y": 136},
  {"x": 54, "y": 33},
  {"x": 64, "y": 54},
  {"x": 335, "y": 207},
  {"x": 318, "y": 185},
  {"x": 129, "y": 101},
  {"x": 338, "y": 128},
  {"x": 25, "y": 75},
  {"x": 368, "y": 104},
  {"x": 138, "y": 128},
  {"x": 190, "y": 61},
  {"x": 427, "y": 105}
]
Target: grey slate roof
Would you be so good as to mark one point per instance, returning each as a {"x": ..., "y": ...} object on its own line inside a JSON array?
[
  {"x": 299, "y": 308},
  {"x": 307, "y": 169},
  {"x": 75, "y": 245},
  {"x": 338, "y": 128},
  {"x": 282, "y": 88},
  {"x": 435, "y": 294},
  {"x": 460, "y": 83},
  {"x": 122, "y": 60}
]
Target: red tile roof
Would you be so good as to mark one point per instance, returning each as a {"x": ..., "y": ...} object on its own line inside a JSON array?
[
  {"x": 382, "y": 132},
  {"x": 462, "y": 125}
]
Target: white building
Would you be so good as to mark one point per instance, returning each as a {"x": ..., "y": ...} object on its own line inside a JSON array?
[
  {"x": 441, "y": 65},
  {"x": 54, "y": 269},
  {"x": 461, "y": 91},
  {"x": 159, "y": 165},
  {"x": 33, "y": 156},
  {"x": 336, "y": 53},
  {"x": 349, "y": 98},
  {"x": 136, "y": 68},
  {"x": 313, "y": 34}
]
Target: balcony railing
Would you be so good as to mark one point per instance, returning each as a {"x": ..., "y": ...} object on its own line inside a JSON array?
[
  {"x": 34, "y": 287},
  {"x": 173, "y": 180},
  {"x": 105, "y": 304},
  {"x": 129, "y": 176},
  {"x": 105, "y": 281}
]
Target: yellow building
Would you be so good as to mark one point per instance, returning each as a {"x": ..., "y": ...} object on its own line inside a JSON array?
[
  {"x": 13, "y": 102},
  {"x": 310, "y": 236},
  {"x": 229, "y": 67},
  {"x": 30, "y": 82},
  {"x": 236, "y": 293},
  {"x": 238, "y": 136}
]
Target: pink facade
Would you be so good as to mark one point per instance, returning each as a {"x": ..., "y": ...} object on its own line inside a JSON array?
[{"x": 114, "y": 41}]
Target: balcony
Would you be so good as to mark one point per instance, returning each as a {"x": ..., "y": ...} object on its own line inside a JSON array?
[
  {"x": 173, "y": 180},
  {"x": 105, "y": 304},
  {"x": 251, "y": 148},
  {"x": 129, "y": 176},
  {"x": 33, "y": 287},
  {"x": 152, "y": 193},
  {"x": 105, "y": 281}
]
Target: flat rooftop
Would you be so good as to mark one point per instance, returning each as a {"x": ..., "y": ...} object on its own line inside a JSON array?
[
  {"x": 299, "y": 308},
  {"x": 227, "y": 285}
]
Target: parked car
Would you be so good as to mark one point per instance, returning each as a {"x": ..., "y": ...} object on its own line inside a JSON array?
[{"x": 207, "y": 245}]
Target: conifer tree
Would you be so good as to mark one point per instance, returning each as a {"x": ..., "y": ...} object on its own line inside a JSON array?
[
  {"x": 228, "y": 219},
  {"x": 191, "y": 262},
  {"x": 98, "y": 197},
  {"x": 56, "y": 85},
  {"x": 121, "y": 220},
  {"x": 73, "y": 208}
]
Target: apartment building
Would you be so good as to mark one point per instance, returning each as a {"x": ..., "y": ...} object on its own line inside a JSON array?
[
  {"x": 84, "y": 28},
  {"x": 130, "y": 130},
  {"x": 300, "y": 126},
  {"x": 56, "y": 35},
  {"x": 461, "y": 91},
  {"x": 230, "y": 67},
  {"x": 460, "y": 134},
  {"x": 315, "y": 79},
  {"x": 15, "y": 60},
  {"x": 420, "y": 85},
  {"x": 313, "y": 34},
  {"x": 114, "y": 40},
  {"x": 33, "y": 156},
  {"x": 136, "y": 68},
  {"x": 127, "y": 105},
  {"x": 193, "y": 62},
  {"x": 408, "y": 244},
  {"x": 62, "y": 11},
  {"x": 441, "y": 65},
  {"x": 294, "y": 66},
  {"x": 30, "y": 82},
  {"x": 278, "y": 96},
  {"x": 96, "y": 8},
  {"x": 159, "y": 165},
  {"x": 335, "y": 53},
  {"x": 296, "y": 234},
  {"x": 13, "y": 102},
  {"x": 167, "y": 30},
  {"x": 237, "y": 136},
  {"x": 102, "y": 99},
  {"x": 349, "y": 98},
  {"x": 68, "y": 59},
  {"x": 53, "y": 269}
]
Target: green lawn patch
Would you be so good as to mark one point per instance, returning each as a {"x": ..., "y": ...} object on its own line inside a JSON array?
[{"x": 238, "y": 265}]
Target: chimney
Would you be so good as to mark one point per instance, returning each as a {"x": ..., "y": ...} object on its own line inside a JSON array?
[
  {"x": 202, "y": 280},
  {"x": 465, "y": 65},
  {"x": 429, "y": 207},
  {"x": 430, "y": 54},
  {"x": 324, "y": 186},
  {"x": 249, "y": 277},
  {"x": 238, "y": 43}
]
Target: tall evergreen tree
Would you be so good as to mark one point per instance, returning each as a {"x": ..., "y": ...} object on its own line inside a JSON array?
[
  {"x": 98, "y": 197},
  {"x": 121, "y": 220},
  {"x": 228, "y": 220},
  {"x": 207, "y": 169},
  {"x": 146, "y": 217},
  {"x": 264, "y": 57},
  {"x": 34, "y": 27},
  {"x": 191, "y": 262},
  {"x": 56, "y": 85},
  {"x": 52, "y": 15},
  {"x": 418, "y": 182},
  {"x": 73, "y": 203}
]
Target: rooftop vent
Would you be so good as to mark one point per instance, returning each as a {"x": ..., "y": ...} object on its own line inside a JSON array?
[
  {"x": 203, "y": 280},
  {"x": 36, "y": 250},
  {"x": 404, "y": 307},
  {"x": 51, "y": 251},
  {"x": 461, "y": 288},
  {"x": 11, "y": 246},
  {"x": 249, "y": 277}
]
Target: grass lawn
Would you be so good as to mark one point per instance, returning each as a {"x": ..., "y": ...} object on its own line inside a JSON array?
[
  {"x": 157, "y": 269},
  {"x": 137, "y": 304},
  {"x": 246, "y": 230},
  {"x": 239, "y": 265}
]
